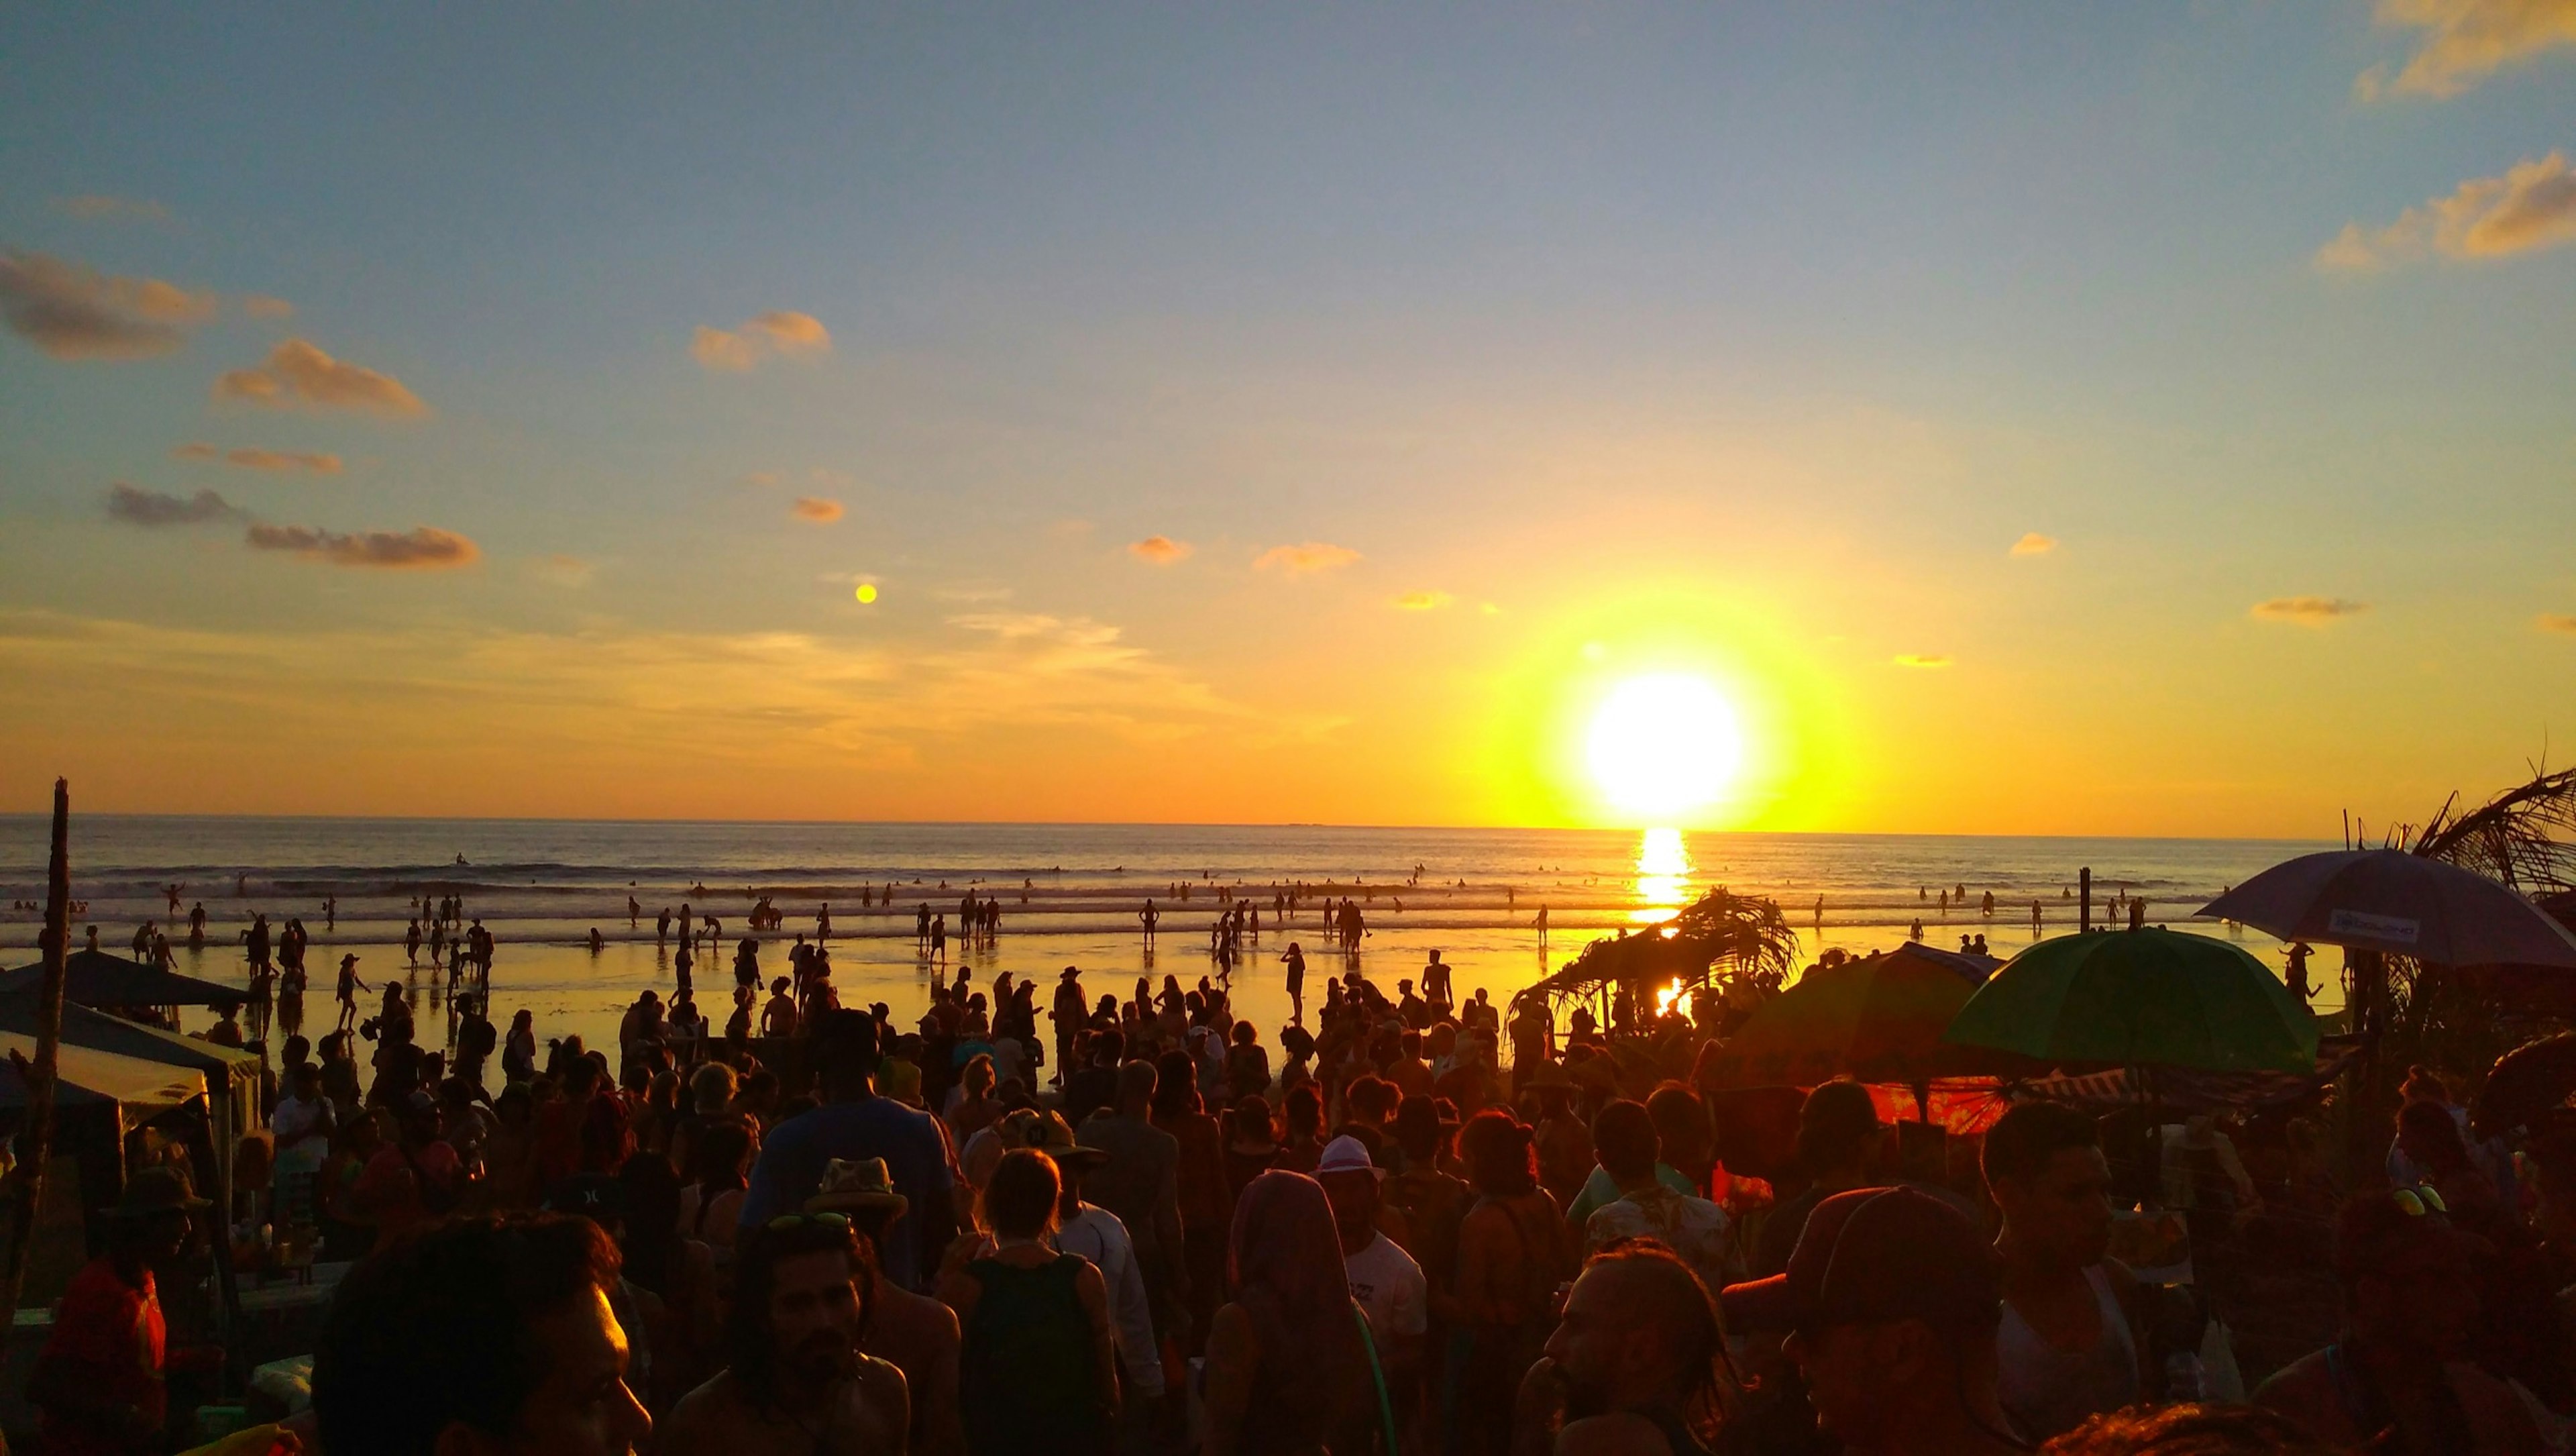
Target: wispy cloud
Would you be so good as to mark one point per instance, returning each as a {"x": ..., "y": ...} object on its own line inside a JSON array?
[
  {"x": 2531, "y": 207},
  {"x": 2034, "y": 544},
  {"x": 819, "y": 509},
  {"x": 562, "y": 570},
  {"x": 1920, "y": 659},
  {"x": 1305, "y": 558},
  {"x": 251, "y": 459},
  {"x": 73, "y": 312},
  {"x": 2466, "y": 41},
  {"x": 1160, "y": 550},
  {"x": 1423, "y": 601},
  {"x": 96, "y": 207},
  {"x": 780, "y": 333},
  {"x": 2308, "y": 611},
  {"x": 2563, "y": 623},
  {"x": 420, "y": 548},
  {"x": 138, "y": 507},
  {"x": 298, "y": 373}
]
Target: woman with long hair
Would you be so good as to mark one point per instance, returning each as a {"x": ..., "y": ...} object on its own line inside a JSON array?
[
  {"x": 1206, "y": 1200},
  {"x": 1036, "y": 1370},
  {"x": 1289, "y": 1368},
  {"x": 1514, "y": 1248}
]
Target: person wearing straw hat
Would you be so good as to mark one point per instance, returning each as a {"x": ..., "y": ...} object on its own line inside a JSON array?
[
  {"x": 99, "y": 1385},
  {"x": 912, "y": 1332}
]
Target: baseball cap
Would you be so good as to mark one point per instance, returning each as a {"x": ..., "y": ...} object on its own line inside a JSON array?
[
  {"x": 1872, "y": 1255},
  {"x": 1345, "y": 1154}
]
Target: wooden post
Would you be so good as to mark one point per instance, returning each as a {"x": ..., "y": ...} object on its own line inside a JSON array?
[
  {"x": 2084, "y": 898},
  {"x": 36, "y": 1139}
]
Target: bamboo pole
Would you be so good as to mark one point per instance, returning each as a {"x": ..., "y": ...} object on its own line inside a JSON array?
[{"x": 36, "y": 1139}]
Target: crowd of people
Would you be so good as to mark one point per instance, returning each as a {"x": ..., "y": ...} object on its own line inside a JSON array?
[{"x": 838, "y": 1231}]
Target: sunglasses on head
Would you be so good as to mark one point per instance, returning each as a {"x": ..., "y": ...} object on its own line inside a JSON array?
[
  {"x": 786, "y": 1221},
  {"x": 2419, "y": 1200}
]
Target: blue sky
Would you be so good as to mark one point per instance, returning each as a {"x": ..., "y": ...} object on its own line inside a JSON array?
[{"x": 1745, "y": 336}]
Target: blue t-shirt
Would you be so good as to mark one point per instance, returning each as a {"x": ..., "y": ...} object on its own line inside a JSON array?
[{"x": 792, "y": 1158}]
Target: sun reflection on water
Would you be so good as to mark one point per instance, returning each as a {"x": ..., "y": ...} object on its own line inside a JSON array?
[{"x": 1663, "y": 876}]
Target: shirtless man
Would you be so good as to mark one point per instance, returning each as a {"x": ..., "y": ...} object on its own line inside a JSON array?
[{"x": 794, "y": 1381}]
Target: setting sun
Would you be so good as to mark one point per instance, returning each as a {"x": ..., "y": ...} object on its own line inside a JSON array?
[{"x": 1664, "y": 746}]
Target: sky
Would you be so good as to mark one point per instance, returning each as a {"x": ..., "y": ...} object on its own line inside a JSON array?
[{"x": 2144, "y": 419}]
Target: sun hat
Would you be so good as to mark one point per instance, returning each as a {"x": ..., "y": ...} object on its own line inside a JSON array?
[
  {"x": 1346, "y": 1154},
  {"x": 1873, "y": 1255},
  {"x": 852, "y": 1185},
  {"x": 1046, "y": 1132}
]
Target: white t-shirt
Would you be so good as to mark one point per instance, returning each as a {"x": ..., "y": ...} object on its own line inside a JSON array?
[
  {"x": 294, "y": 1117},
  {"x": 1390, "y": 1288}
]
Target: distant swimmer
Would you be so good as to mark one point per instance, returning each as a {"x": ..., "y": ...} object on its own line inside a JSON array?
[{"x": 460, "y": 859}]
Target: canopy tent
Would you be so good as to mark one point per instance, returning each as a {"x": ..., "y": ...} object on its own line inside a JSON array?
[
  {"x": 95, "y": 978},
  {"x": 88, "y": 1077},
  {"x": 232, "y": 1075}
]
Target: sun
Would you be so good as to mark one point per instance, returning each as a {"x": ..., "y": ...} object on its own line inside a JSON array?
[{"x": 1664, "y": 745}]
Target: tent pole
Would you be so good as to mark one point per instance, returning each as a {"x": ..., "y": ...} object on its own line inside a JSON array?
[{"x": 36, "y": 1144}]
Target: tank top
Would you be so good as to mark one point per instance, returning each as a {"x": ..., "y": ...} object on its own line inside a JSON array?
[
  {"x": 1027, "y": 1376},
  {"x": 2048, "y": 1391}
]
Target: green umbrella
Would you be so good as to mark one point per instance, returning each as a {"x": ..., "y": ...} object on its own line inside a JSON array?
[{"x": 2140, "y": 998}]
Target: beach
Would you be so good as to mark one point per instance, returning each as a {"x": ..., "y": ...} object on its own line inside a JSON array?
[{"x": 1069, "y": 893}]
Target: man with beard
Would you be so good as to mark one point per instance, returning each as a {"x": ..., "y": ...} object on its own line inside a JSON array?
[
  {"x": 1631, "y": 1356},
  {"x": 795, "y": 1383}
]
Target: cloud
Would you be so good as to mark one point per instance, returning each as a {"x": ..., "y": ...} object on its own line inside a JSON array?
[
  {"x": 73, "y": 312},
  {"x": 1306, "y": 558},
  {"x": 421, "y": 547},
  {"x": 1423, "y": 601},
  {"x": 819, "y": 509},
  {"x": 2034, "y": 544},
  {"x": 94, "y": 207},
  {"x": 2307, "y": 611},
  {"x": 2560, "y": 622},
  {"x": 760, "y": 479},
  {"x": 137, "y": 507},
  {"x": 250, "y": 459},
  {"x": 2465, "y": 42},
  {"x": 1917, "y": 659},
  {"x": 261, "y": 306},
  {"x": 299, "y": 373},
  {"x": 1160, "y": 550},
  {"x": 561, "y": 570},
  {"x": 2531, "y": 207},
  {"x": 780, "y": 332}
]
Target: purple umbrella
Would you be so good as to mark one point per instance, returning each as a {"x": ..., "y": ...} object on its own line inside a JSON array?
[{"x": 2405, "y": 904}]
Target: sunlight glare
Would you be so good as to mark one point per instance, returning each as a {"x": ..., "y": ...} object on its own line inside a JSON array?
[
  {"x": 1664, "y": 745},
  {"x": 1663, "y": 876}
]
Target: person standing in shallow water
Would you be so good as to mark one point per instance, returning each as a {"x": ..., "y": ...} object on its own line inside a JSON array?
[{"x": 1036, "y": 1368}]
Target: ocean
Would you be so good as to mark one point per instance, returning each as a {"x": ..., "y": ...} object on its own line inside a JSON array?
[{"x": 1070, "y": 895}]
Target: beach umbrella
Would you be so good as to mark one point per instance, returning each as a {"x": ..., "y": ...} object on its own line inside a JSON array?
[
  {"x": 2140, "y": 998},
  {"x": 1879, "y": 1019},
  {"x": 2404, "y": 904}
]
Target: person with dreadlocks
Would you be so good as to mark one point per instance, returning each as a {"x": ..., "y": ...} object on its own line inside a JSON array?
[
  {"x": 795, "y": 1382},
  {"x": 1632, "y": 1361}
]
